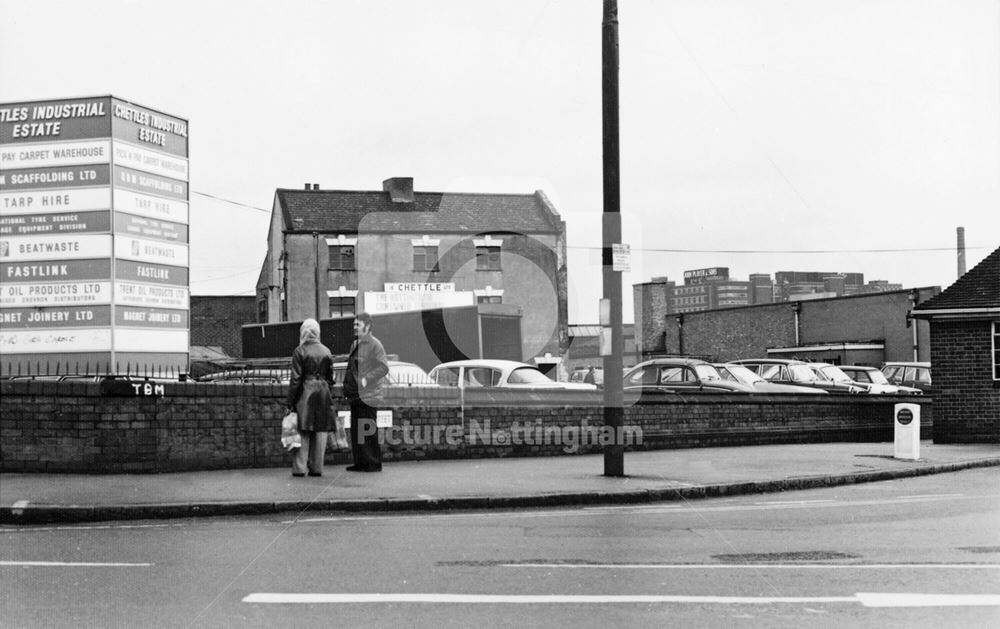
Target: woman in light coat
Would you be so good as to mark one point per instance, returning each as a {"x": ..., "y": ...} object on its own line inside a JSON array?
[{"x": 309, "y": 396}]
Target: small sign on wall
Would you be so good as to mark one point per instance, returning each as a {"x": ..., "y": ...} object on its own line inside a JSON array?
[{"x": 383, "y": 419}]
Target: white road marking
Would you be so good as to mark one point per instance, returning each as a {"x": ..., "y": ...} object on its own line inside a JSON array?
[
  {"x": 892, "y": 599},
  {"x": 522, "y": 599},
  {"x": 868, "y": 599},
  {"x": 74, "y": 564},
  {"x": 759, "y": 566},
  {"x": 791, "y": 502},
  {"x": 77, "y": 527}
]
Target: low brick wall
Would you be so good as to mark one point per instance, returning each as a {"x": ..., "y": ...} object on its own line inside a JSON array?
[{"x": 75, "y": 427}]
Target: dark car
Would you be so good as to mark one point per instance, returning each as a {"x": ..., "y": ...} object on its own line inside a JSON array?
[
  {"x": 796, "y": 372},
  {"x": 909, "y": 374},
  {"x": 680, "y": 375}
]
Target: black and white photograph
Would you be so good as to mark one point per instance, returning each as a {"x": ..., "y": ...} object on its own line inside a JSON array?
[{"x": 534, "y": 313}]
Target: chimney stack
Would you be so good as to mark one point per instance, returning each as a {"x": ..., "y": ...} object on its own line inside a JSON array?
[
  {"x": 400, "y": 189},
  {"x": 961, "y": 251}
]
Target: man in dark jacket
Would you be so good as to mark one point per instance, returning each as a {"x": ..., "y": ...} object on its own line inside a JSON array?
[{"x": 367, "y": 367}]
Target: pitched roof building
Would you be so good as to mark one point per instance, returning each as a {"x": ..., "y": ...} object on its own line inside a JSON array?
[
  {"x": 965, "y": 355},
  {"x": 333, "y": 253}
]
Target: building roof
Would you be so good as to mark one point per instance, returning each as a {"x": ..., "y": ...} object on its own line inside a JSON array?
[
  {"x": 349, "y": 211},
  {"x": 978, "y": 289}
]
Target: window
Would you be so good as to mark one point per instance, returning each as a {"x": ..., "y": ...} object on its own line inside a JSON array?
[
  {"x": 447, "y": 377},
  {"x": 770, "y": 372},
  {"x": 341, "y": 306},
  {"x": 489, "y": 299},
  {"x": 262, "y": 310},
  {"x": 487, "y": 258},
  {"x": 342, "y": 257},
  {"x": 673, "y": 374},
  {"x": 425, "y": 258},
  {"x": 996, "y": 350},
  {"x": 481, "y": 377}
]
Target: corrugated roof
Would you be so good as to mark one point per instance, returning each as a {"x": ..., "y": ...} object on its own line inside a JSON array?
[
  {"x": 978, "y": 288},
  {"x": 346, "y": 211}
]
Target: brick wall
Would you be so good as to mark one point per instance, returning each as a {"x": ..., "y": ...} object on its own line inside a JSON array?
[
  {"x": 733, "y": 333},
  {"x": 70, "y": 427},
  {"x": 217, "y": 321},
  {"x": 966, "y": 398}
]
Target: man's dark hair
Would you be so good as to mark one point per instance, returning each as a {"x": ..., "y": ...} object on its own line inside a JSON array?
[{"x": 364, "y": 318}]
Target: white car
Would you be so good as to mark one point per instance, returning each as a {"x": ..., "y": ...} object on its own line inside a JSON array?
[
  {"x": 496, "y": 373},
  {"x": 876, "y": 382},
  {"x": 739, "y": 373}
]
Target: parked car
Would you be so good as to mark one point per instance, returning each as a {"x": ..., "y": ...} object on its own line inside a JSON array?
[
  {"x": 400, "y": 373},
  {"x": 739, "y": 373},
  {"x": 794, "y": 372},
  {"x": 832, "y": 376},
  {"x": 909, "y": 374},
  {"x": 876, "y": 382},
  {"x": 488, "y": 372},
  {"x": 679, "y": 375}
]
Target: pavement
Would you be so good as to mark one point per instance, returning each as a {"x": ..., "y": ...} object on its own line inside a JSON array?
[{"x": 500, "y": 483}]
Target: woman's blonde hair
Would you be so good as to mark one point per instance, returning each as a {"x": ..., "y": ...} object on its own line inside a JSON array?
[{"x": 309, "y": 331}]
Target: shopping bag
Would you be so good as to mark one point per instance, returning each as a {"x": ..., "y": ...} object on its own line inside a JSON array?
[
  {"x": 339, "y": 435},
  {"x": 290, "y": 437}
]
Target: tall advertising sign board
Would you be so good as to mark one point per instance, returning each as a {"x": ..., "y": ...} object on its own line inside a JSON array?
[{"x": 93, "y": 238}]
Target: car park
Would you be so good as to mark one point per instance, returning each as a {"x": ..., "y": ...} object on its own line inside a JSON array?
[
  {"x": 496, "y": 373},
  {"x": 680, "y": 375},
  {"x": 909, "y": 374},
  {"x": 876, "y": 382},
  {"x": 740, "y": 373},
  {"x": 794, "y": 372}
]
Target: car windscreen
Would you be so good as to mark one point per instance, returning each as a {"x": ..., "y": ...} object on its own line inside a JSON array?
[
  {"x": 877, "y": 377},
  {"x": 445, "y": 376},
  {"x": 740, "y": 373},
  {"x": 834, "y": 373},
  {"x": 707, "y": 372},
  {"x": 802, "y": 373}
]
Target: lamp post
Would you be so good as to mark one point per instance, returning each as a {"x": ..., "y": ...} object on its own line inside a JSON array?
[{"x": 614, "y": 453}]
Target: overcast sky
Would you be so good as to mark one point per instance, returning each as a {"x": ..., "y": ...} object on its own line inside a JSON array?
[{"x": 762, "y": 135}]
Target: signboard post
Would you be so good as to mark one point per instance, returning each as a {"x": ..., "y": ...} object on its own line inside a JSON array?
[
  {"x": 906, "y": 421},
  {"x": 93, "y": 237}
]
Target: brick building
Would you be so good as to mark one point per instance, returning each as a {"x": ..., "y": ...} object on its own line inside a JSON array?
[
  {"x": 333, "y": 253},
  {"x": 712, "y": 288},
  {"x": 216, "y": 321},
  {"x": 866, "y": 329},
  {"x": 965, "y": 355}
]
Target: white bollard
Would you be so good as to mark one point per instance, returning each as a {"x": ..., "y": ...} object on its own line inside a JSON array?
[{"x": 907, "y": 431}]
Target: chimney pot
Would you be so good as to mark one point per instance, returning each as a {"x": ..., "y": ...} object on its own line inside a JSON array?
[{"x": 400, "y": 189}]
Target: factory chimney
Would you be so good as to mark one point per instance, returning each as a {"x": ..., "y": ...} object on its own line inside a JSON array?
[{"x": 961, "y": 251}]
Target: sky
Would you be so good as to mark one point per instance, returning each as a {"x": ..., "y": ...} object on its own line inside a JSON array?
[{"x": 759, "y": 135}]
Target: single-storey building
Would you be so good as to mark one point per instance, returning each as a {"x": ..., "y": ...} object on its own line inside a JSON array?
[{"x": 965, "y": 355}]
